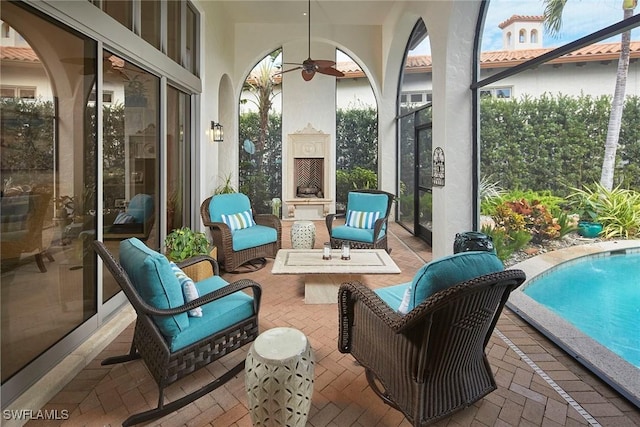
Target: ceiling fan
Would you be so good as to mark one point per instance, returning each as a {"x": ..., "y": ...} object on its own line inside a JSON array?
[{"x": 310, "y": 66}]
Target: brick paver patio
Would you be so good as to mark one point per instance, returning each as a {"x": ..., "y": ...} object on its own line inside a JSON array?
[{"x": 538, "y": 383}]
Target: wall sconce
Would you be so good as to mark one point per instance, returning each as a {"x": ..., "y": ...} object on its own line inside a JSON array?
[{"x": 216, "y": 133}]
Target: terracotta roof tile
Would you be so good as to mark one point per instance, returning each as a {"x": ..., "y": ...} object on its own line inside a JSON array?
[
  {"x": 521, "y": 18},
  {"x": 9, "y": 53}
]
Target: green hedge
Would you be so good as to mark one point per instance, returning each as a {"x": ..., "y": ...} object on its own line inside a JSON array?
[{"x": 555, "y": 142}]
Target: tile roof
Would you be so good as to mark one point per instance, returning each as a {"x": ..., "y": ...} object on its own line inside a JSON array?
[
  {"x": 521, "y": 18},
  {"x": 508, "y": 58},
  {"x": 10, "y": 53}
]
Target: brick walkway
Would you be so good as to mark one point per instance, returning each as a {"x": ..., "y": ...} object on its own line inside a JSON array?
[{"x": 538, "y": 384}]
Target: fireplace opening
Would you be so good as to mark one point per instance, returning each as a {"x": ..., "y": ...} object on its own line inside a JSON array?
[{"x": 308, "y": 179}]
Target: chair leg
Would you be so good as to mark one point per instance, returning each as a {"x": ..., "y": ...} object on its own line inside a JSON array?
[
  {"x": 371, "y": 379},
  {"x": 163, "y": 410},
  {"x": 133, "y": 355},
  {"x": 40, "y": 262}
]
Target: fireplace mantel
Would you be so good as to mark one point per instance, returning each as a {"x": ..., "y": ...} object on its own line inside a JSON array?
[{"x": 308, "y": 165}]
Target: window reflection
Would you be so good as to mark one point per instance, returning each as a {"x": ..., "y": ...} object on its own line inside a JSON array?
[
  {"x": 178, "y": 165},
  {"x": 130, "y": 147},
  {"x": 48, "y": 159}
]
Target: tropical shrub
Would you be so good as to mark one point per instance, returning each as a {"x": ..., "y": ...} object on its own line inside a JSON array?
[
  {"x": 506, "y": 242},
  {"x": 618, "y": 209}
]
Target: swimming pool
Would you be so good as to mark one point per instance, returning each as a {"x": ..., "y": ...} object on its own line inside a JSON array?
[
  {"x": 598, "y": 294},
  {"x": 573, "y": 296}
]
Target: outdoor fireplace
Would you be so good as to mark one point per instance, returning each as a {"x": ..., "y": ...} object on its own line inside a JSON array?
[
  {"x": 307, "y": 195},
  {"x": 308, "y": 177}
]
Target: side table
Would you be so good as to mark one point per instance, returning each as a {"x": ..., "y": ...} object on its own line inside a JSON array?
[
  {"x": 279, "y": 374},
  {"x": 303, "y": 235}
]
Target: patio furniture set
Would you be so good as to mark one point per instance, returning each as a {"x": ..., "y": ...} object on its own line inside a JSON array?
[{"x": 421, "y": 343}]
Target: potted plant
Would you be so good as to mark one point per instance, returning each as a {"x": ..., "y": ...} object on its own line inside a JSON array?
[
  {"x": 183, "y": 243},
  {"x": 586, "y": 201}
]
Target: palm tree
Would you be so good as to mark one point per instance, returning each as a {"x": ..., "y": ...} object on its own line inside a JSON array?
[{"x": 553, "y": 23}]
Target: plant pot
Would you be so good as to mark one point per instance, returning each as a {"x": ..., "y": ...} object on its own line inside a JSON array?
[
  {"x": 589, "y": 229},
  {"x": 201, "y": 270}
]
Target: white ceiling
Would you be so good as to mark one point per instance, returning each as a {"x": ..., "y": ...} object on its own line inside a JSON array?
[{"x": 340, "y": 12}]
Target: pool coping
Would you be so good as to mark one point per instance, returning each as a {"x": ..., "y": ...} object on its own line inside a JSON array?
[{"x": 610, "y": 367}]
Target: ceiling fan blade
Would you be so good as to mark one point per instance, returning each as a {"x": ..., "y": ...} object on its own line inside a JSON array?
[
  {"x": 287, "y": 71},
  {"x": 330, "y": 71},
  {"x": 323, "y": 63},
  {"x": 308, "y": 74}
]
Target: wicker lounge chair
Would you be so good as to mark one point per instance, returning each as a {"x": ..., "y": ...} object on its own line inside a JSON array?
[
  {"x": 359, "y": 232},
  {"x": 172, "y": 344},
  {"x": 237, "y": 247},
  {"x": 429, "y": 362}
]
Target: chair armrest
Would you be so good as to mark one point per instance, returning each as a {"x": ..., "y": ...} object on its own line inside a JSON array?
[
  {"x": 231, "y": 288},
  {"x": 219, "y": 225},
  {"x": 329, "y": 220},
  {"x": 377, "y": 227},
  {"x": 355, "y": 293},
  {"x": 201, "y": 258},
  {"x": 268, "y": 220}
]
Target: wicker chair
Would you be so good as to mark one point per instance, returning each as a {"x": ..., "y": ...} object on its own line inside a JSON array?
[
  {"x": 202, "y": 341},
  {"x": 429, "y": 362},
  {"x": 239, "y": 247},
  {"x": 22, "y": 224},
  {"x": 371, "y": 236}
]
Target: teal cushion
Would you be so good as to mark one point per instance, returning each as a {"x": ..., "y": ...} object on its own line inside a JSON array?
[
  {"x": 392, "y": 295},
  {"x": 351, "y": 233},
  {"x": 253, "y": 236},
  {"x": 227, "y": 204},
  {"x": 450, "y": 270},
  {"x": 155, "y": 281},
  {"x": 216, "y": 315},
  {"x": 141, "y": 207},
  {"x": 368, "y": 202}
]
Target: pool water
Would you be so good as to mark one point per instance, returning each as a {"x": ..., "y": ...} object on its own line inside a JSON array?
[{"x": 599, "y": 295}]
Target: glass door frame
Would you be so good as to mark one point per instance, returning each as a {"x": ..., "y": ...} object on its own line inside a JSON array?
[
  {"x": 421, "y": 230},
  {"x": 422, "y": 120}
]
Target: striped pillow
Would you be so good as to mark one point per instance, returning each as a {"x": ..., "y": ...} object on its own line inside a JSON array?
[
  {"x": 359, "y": 219},
  {"x": 238, "y": 221},
  {"x": 189, "y": 290}
]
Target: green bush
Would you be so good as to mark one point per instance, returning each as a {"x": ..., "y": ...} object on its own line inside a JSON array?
[
  {"x": 618, "y": 209},
  {"x": 555, "y": 142},
  {"x": 355, "y": 179}
]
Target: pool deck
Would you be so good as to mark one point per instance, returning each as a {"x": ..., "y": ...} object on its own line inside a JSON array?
[
  {"x": 612, "y": 369},
  {"x": 539, "y": 384}
]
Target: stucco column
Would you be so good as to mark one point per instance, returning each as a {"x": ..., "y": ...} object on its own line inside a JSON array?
[{"x": 452, "y": 36}]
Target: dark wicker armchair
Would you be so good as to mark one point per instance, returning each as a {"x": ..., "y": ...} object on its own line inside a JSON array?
[
  {"x": 202, "y": 341},
  {"x": 430, "y": 362},
  {"x": 362, "y": 234},
  {"x": 263, "y": 240}
]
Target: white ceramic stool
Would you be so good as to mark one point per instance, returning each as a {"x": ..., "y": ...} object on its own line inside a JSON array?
[
  {"x": 303, "y": 235},
  {"x": 279, "y": 374}
]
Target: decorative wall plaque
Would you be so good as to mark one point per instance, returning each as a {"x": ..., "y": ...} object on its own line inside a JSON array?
[{"x": 438, "y": 167}]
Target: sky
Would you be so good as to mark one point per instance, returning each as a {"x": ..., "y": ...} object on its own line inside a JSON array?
[{"x": 580, "y": 18}]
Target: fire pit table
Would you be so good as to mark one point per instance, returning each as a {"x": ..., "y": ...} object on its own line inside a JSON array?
[{"x": 322, "y": 278}]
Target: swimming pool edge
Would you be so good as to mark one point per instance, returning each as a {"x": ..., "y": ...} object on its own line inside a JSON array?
[{"x": 608, "y": 366}]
